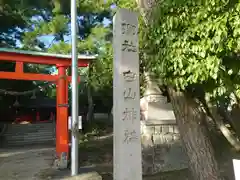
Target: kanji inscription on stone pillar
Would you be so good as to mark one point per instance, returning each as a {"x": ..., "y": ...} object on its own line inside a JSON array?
[{"x": 126, "y": 108}]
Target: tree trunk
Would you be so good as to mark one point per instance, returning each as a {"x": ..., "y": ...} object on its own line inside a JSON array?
[
  {"x": 191, "y": 121},
  {"x": 233, "y": 140},
  {"x": 214, "y": 114},
  {"x": 223, "y": 111},
  {"x": 90, "y": 114}
]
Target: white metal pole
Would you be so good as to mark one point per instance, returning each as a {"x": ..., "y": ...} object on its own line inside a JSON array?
[{"x": 74, "y": 147}]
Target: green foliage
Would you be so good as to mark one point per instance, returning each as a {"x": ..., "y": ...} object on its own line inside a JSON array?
[
  {"x": 56, "y": 22},
  {"x": 94, "y": 37},
  {"x": 124, "y": 4},
  {"x": 15, "y": 18},
  {"x": 101, "y": 75},
  {"x": 195, "y": 42}
]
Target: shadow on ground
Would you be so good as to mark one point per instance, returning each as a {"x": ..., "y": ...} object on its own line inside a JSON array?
[{"x": 96, "y": 155}]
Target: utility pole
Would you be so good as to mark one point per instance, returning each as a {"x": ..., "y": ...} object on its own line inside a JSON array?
[{"x": 74, "y": 128}]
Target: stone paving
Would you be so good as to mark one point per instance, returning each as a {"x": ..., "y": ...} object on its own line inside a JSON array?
[{"x": 24, "y": 163}]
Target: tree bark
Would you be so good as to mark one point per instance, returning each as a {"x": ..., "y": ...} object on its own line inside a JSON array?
[
  {"x": 191, "y": 121},
  {"x": 90, "y": 114},
  {"x": 223, "y": 111}
]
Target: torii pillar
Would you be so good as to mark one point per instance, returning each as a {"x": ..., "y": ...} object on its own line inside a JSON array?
[{"x": 62, "y": 139}]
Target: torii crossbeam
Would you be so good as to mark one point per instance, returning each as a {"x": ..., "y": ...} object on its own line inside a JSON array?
[{"x": 62, "y": 62}]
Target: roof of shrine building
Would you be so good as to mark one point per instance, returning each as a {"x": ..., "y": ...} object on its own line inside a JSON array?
[{"x": 36, "y": 53}]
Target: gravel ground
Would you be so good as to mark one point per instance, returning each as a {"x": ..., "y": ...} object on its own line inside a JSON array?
[
  {"x": 95, "y": 158},
  {"x": 25, "y": 163},
  {"x": 35, "y": 163}
]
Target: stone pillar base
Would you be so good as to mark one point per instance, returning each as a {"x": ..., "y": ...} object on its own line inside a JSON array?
[
  {"x": 162, "y": 149},
  {"x": 61, "y": 162}
]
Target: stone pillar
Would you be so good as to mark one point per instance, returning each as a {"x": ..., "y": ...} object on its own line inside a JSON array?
[{"x": 126, "y": 91}]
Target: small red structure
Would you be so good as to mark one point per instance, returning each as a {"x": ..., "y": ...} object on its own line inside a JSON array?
[{"x": 62, "y": 62}]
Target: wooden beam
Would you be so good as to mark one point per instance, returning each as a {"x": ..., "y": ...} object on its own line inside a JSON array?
[
  {"x": 35, "y": 59},
  {"x": 31, "y": 76}
]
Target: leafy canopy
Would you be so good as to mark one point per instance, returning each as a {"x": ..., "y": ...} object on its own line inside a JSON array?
[{"x": 195, "y": 42}]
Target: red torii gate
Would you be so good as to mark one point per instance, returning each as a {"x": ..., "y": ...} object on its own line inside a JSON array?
[{"x": 62, "y": 62}]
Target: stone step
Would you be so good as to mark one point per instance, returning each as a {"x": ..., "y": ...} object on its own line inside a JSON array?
[
  {"x": 26, "y": 134},
  {"x": 28, "y": 139},
  {"x": 14, "y": 144}
]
